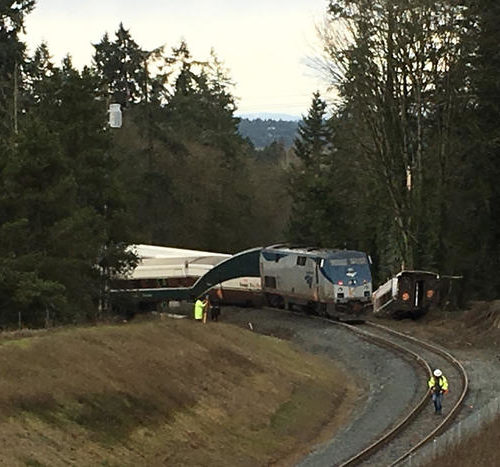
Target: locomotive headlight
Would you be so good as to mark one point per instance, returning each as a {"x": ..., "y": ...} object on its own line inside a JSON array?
[
  {"x": 405, "y": 296},
  {"x": 430, "y": 293}
]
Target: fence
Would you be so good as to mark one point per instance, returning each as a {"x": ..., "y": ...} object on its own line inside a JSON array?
[{"x": 455, "y": 435}]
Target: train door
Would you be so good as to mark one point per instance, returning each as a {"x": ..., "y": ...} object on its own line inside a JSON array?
[
  {"x": 317, "y": 265},
  {"x": 418, "y": 296}
]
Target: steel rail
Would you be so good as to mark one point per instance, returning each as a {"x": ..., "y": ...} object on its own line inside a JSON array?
[
  {"x": 396, "y": 430},
  {"x": 393, "y": 432},
  {"x": 454, "y": 410}
]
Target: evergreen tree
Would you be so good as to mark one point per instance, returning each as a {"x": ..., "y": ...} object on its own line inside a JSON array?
[
  {"x": 12, "y": 13},
  {"x": 63, "y": 210},
  {"x": 121, "y": 66},
  {"x": 201, "y": 106},
  {"x": 477, "y": 230},
  {"x": 313, "y": 206}
]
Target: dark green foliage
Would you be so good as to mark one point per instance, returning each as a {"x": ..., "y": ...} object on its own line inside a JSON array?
[
  {"x": 60, "y": 201},
  {"x": 315, "y": 217},
  {"x": 405, "y": 167},
  {"x": 418, "y": 123},
  {"x": 201, "y": 107},
  {"x": 481, "y": 190},
  {"x": 121, "y": 67},
  {"x": 74, "y": 195},
  {"x": 12, "y": 50}
]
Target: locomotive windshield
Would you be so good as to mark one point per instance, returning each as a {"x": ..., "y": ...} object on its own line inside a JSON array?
[{"x": 351, "y": 271}]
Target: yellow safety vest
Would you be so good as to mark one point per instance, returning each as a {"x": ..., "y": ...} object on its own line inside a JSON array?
[
  {"x": 442, "y": 381},
  {"x": 198, "y": 309}
]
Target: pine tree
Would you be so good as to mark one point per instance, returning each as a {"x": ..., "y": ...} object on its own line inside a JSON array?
[
  {"x": 479, "y": 243},
  {"x": 121, "y": 66},
  {"x": 310, "y": 186},
  {"x": 64, "y": 214},
  {"x": 12, "y": 50}
]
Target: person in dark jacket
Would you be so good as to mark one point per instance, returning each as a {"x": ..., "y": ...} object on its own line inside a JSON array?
[{"x": 215, "y": 310}]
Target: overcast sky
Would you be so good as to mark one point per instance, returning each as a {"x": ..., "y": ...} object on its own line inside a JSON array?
[{"x": 264, "y": 43}]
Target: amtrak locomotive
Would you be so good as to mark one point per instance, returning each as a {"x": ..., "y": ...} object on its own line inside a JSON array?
[{"x": 320, "y": 280}]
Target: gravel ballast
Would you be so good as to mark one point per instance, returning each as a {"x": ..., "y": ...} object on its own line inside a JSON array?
[{"x": 389, "y": 381}]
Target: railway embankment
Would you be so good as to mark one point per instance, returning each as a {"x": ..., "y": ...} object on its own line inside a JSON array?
[
  {"x": 176, "y": 392},
  {"x": 473, "y": 336},
  {"x": 164, "y": 392}
]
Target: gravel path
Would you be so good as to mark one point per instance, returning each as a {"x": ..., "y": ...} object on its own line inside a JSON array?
[{"x": 391, "y": 382}]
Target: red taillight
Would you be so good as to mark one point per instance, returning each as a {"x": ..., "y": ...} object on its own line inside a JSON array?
[{"x": 340, "y": 282}]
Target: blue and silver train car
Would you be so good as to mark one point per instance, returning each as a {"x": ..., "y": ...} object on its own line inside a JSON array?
[{"x": 320, "y": 280}]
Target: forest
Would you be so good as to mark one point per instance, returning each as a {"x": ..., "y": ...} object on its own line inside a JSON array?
[{"x": 400, "y": 160}]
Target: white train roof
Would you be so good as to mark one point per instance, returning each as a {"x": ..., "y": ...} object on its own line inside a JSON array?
[
  {"x": 153, "y": 251},
  {"x": 157, "y": 262}
]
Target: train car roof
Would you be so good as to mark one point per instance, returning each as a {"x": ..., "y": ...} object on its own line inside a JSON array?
[
  {"x": 156, "y": 262},
  {"x": 411, "y": 272},
  {"x": 154, "y": 251}
]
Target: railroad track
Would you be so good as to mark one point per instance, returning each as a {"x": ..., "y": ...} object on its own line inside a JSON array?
[{"x": 420, "y": 425}]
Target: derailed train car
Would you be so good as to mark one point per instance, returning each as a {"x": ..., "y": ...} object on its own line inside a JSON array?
[
  {"x": 409, "y": 294},
  {"x": 319, "y": 280}
]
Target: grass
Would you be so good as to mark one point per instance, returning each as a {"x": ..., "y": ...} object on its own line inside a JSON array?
[
  {"x": 164, "y": 393},
  {"x": 478, "y": 450}
]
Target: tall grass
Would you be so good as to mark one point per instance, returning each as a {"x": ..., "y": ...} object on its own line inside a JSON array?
[
  {"x": 480, "y": 450},
  {"x": 164, "y": 393}
]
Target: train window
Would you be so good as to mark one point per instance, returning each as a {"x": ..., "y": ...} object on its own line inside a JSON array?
[
  {"x": 358, "y": 260},
  {"x": 301, "y": 260},
  {"x": 270, "y": 281}
]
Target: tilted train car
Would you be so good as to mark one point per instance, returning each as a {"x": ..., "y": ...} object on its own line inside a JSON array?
[
  {"x": 321, "y": 280},
  {"x": 166, "y": 267},
  {"x": 409, "y": 294}
]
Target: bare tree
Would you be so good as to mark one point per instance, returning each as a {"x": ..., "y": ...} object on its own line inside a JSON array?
[{"x": 391, "y": 63}]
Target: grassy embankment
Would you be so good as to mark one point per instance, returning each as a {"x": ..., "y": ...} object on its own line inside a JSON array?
[
  {"x": 481, "y": 450},
  {"x": 170, "y": 392}
]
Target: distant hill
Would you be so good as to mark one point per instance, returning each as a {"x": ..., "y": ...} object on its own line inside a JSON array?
[
  {"x": 270, "y": 116},
  {"x": 264, "y": 132}
]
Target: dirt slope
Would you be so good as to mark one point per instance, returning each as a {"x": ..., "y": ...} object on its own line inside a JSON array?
[
  {"x": 477, "y": 327},
  {"x": 171, "y": 392}
]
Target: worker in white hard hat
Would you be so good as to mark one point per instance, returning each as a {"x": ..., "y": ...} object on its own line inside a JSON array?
[{"x": 438, "y": 385}]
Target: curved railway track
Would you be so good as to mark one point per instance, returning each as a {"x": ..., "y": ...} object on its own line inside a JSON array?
[{"x": 420, "y": 425}]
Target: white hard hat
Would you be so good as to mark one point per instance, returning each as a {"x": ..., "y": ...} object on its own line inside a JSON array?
[{"x": 437, "y": 372}]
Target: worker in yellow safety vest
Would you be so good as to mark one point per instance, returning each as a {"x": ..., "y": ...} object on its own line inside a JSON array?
[
  {"x": 438, "y": 386},
  {"x": 199, "y": 306}
]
